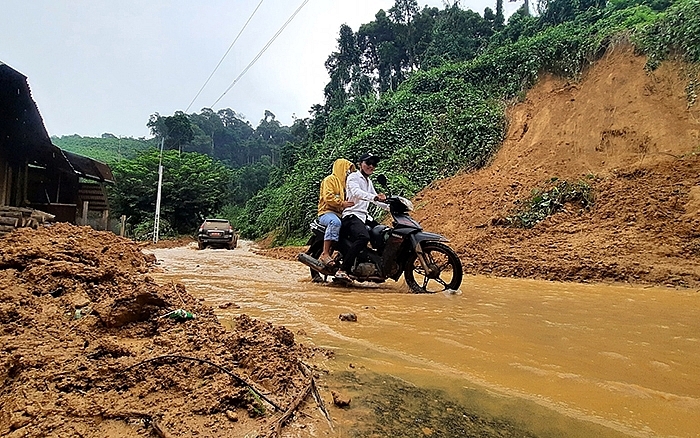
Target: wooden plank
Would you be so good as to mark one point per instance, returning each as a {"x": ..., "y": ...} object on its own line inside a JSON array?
[
  {"x": 14, "y": 214},
  {"x": 16, "y": 209},
  {"x": 8, "y": 221},
  {"x": 42, "y": 216},
  {"x": 30, "y": 223}
]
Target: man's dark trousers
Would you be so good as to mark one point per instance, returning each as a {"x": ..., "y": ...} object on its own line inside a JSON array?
[{"x": 356, "y": 231}]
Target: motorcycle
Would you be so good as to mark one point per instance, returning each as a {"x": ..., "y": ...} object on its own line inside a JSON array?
[{"x": 427, "y": 264}]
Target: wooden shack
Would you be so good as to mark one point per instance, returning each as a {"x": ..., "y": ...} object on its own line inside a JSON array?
[{"x": 38, "y": 180}]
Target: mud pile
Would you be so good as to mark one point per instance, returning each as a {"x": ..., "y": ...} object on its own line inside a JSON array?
[{"x": 88, "y": 351}]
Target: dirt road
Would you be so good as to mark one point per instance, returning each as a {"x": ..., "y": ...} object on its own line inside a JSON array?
[{"x": 534, "y": 358}]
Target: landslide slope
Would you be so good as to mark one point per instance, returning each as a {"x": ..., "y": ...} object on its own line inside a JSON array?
[{"x": 628, "y": 133}]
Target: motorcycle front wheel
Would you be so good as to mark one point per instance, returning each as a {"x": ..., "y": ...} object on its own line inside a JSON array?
[{"x": 444, "y": 270}]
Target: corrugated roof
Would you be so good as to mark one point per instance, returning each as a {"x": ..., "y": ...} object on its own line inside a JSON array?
[
  {"x": 22, "y": 131},
  {"x": 89, "y": 168}
]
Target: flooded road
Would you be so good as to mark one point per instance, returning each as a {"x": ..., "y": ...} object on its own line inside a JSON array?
[{"x": 549, "y": 359}]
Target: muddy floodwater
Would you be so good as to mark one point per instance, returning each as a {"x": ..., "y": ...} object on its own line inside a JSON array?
[{"x": 513, "y": 357}]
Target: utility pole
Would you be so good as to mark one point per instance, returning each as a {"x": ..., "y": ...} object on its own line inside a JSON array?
[{"x": 156, "y": 221}]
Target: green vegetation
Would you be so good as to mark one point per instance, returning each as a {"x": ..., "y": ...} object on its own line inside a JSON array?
[
  {"x": 429, "y": 118},
  {"x": 107, "y": 149},
  {"x": 223, "y": 135},
  {"x": 196, "y": 186},
  {"x": 545, "y": 203},
  {"x": 223, "y": 138},
  {"x": 424, "y": 89}
]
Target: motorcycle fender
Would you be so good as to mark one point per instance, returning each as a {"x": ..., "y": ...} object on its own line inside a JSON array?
[{"x": 422, "y": 236}]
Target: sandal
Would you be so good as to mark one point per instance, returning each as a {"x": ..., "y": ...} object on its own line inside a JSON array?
[{"x": 327, "y": 261}]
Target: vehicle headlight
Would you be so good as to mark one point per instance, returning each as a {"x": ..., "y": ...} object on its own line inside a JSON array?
[{"x": 407, "y": 203}]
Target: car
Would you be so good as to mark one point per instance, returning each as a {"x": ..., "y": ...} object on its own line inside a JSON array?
[{"x": 216, "y": 232}]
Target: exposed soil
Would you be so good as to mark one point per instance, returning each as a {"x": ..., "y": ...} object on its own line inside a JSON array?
[
  {"x": 168, "y": 243},
  {"x": 632, "y": 136},
  {"x": 87, "y": 350}
]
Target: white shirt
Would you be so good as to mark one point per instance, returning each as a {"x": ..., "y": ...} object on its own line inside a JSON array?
[{"x": 360, "y": 190}]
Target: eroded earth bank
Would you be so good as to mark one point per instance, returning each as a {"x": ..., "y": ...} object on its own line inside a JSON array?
[{"x": 630, "y": 135}]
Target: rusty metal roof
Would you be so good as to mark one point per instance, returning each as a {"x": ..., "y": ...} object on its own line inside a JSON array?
[{"x": 22, "y": 132}]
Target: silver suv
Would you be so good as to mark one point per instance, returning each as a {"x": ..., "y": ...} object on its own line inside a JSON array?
[{"x": 216, "y": 232}]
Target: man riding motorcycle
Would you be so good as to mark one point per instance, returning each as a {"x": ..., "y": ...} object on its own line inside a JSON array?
[
  {"x": 405, "y": 249},
  {"x": 360, "y": 191}
]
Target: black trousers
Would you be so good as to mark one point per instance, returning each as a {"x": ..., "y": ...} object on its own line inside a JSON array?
[{"x": 357, "y": 233}]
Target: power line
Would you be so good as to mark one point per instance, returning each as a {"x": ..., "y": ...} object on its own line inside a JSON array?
[
  {"x": 269, "y": 43},
  {"x": 223, "y": 57}
]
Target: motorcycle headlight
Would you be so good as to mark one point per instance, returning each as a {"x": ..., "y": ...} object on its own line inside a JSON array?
[{"x": 408, "y": 204}]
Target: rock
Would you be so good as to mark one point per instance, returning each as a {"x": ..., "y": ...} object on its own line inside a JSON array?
[
  {"x": 340, "y": 400},
  {"x": 348, "y": 317},
  {"x": 232, "y": 416},
  {"x": 81, "y": 299}
]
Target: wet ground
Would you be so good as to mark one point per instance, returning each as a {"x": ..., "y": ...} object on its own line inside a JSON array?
[{"x": 502, "y": 357}]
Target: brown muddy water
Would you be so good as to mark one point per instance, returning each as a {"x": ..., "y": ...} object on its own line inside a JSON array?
[{"x": 501, "y": 357}]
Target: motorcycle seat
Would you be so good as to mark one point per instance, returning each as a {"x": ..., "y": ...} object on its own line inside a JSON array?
[{"x": 316, "y": 226}]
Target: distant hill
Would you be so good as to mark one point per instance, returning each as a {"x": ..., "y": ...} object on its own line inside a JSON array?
[{"x": 108, "y": 148}]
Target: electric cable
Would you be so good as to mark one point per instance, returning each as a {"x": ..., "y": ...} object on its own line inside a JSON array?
[
  {"x": 223, "y": 57},
  {"x": 269, "y": 43}
]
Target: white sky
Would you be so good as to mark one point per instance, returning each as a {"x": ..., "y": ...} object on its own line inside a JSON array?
[{"x": 97, "y": 66}]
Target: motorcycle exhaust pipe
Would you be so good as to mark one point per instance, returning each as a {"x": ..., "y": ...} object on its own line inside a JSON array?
[{"x": 313, "y": 264}]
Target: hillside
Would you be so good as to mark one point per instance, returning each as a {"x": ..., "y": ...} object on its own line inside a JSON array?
[
  {"x": 108, "y": 148},
  {"x": 632, "y": 136}
]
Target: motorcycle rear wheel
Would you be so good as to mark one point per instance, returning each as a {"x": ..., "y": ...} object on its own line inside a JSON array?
[
  {"x": 315, "y": 251},
  {"x": 445, "y": 270}
]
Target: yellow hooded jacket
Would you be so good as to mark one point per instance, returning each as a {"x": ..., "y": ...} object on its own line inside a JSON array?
[{"x": 332, "y": 194}]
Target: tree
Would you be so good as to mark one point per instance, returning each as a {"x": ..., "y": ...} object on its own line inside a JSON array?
[
  {"x": 500, "y": 19},
  {"x": 194, "y": 187},
  {"x": 342, "y": 66},
  {"x": 558, "y": 11},
  {"x": 374, "y": 39},
  {"x": 176, "y": 130},
  {"x": 458, "y": 35},
  {"x": 248, "y": 180},
  {"x": 206, "y": 126},
  {"x": 403, "y": 11}
]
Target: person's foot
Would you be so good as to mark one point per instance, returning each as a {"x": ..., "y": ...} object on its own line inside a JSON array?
[
  {"x": 326, "y": 259},
  {"x": 342, "y": 275}
]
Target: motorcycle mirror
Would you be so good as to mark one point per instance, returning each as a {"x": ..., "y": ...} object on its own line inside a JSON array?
[{"x": 381, "y": 179}]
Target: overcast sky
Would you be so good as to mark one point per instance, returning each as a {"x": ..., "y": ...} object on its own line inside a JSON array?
[{"x": 97, "y": 66}]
